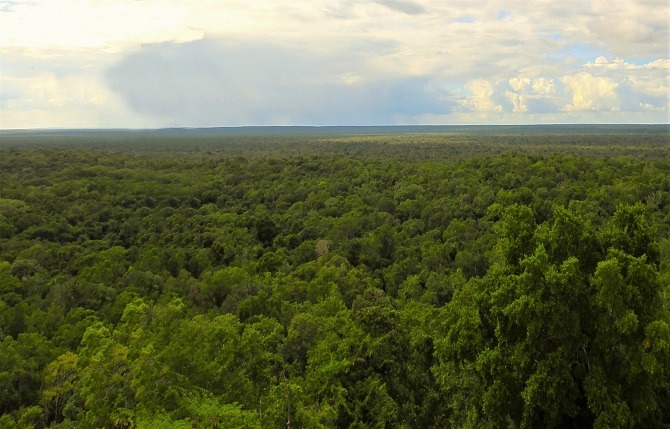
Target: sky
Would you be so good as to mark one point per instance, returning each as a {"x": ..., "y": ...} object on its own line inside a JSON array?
[{"x": 204, "y": 63}]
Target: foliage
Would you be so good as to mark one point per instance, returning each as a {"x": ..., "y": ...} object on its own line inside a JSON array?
[{"x": 364, "y": 286}]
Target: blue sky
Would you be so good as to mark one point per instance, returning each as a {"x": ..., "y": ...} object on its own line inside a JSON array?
[{"x": 165, "y": 63}]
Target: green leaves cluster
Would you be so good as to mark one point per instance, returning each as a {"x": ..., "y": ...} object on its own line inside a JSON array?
[
  {"x": 559, "y": 333},
  {"x": 185, "y": 290}
]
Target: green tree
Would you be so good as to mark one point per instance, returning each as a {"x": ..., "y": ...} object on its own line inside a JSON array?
[
  {"x": 547, "y": 339},
  {"x": 60, "y": 382}
]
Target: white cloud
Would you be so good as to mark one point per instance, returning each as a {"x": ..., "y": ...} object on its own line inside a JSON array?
[
  {"x": 482, "y": 99},
  {"x": 544, "y": 86},
  {"x": 112, "y": 25},
  {"x": 53, "y": 101},
  {"x": 60, "y": 92},
  {"x": 642, "y": 86},
  {"x": 534, "y": 95},
  {"x": 591, "y": 92},
  {"x": 519, "y": 83},
  {"x": 518, "y": 101},
  {"x": 630, "y": 27},
  {"x": 620, "y": 64},
  {"x": 650, "y": 86}
]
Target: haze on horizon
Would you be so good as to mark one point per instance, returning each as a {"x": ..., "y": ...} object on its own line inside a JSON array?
[{"x": 170, "y": 63}]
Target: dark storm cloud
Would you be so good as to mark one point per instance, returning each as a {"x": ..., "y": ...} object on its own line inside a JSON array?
[{"x": 213, "y": 82}]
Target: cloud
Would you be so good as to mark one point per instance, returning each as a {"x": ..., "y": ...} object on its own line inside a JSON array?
[
  {"x": 620, "y": 64},
  {"x": 404, "y": 6},
  {"x": 519, "y": 83},
  {"x": 525, "y": 91},
  {"x": 640, "y": 86},
  {"x": 63, "y": 92},
  {"x": 349, "y": 58},
  {"x": 544, "y": 86},
  {"x": 604, "y": 85},
  {"x": 8, "y": 6},
  {"x": 627, "y": 24},
  {"x": 214, "y": 82},
  {"x": 110, "y": 25},
  {"x": 591, "y": 92},
  {"x": 63, "y": 101},
  {"x": 518, "y": 101},
  {"x": 482, "y": 97}
]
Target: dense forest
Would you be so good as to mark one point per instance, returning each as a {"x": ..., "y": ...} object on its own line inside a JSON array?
[{"x": 475, "y": 279}]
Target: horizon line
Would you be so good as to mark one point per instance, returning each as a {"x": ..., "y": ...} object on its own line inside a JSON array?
[{"x": 233, "y": 127}]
